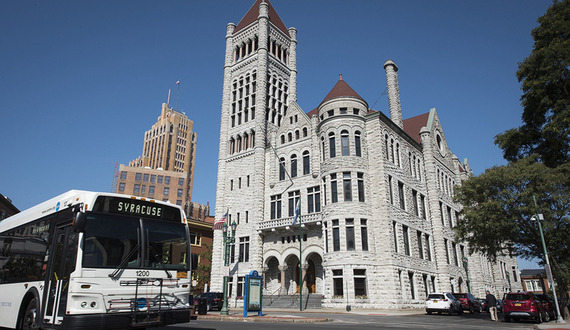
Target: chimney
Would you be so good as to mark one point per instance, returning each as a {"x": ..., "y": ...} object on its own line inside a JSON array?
[{"x": 393, "y": 93}]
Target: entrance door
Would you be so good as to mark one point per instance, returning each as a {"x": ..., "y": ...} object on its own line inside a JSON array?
[
  {"x": 61, "y": 263},
  {"x": 310, "y": 277}
]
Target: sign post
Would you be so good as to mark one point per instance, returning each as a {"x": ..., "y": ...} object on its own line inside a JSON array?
[{"x": 253, "y": 299}]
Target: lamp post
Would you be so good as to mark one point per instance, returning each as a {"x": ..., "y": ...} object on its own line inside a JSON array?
[
  {"x": 539, "y": 217},
  {"x": 227, "y": 242}
]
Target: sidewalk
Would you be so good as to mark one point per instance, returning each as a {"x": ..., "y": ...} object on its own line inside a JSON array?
[
  {"x": 305, "y": 316},
  {"x": 552, "y": 325}
]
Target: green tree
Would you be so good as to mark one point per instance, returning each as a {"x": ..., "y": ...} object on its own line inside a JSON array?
[
  {"x": 498, "y": 207},
  {"x": 204, "y": 268},
  {"x": 545, "y": 79}
]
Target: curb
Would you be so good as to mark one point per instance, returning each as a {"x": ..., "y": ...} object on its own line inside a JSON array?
[{"x": 271, "y": 319}]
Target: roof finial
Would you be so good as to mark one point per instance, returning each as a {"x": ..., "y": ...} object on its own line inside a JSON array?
[{"x": 340, "y": 77}]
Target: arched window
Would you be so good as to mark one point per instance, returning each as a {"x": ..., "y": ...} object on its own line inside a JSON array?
[
  {"x": 386, "y": 145},
  {"x": 392, "y": 150},
  {"x": 281, "y": 168},
  {"x": 397, "y": 154},
  {"x": 245, "y": 141},
  {"x": 293, "y": 166},
  {"x": 232, "y": 145},
  {"x": 344, "y": 142},
  {"x": 332, "y": 148},
  {"x": 290, "y": 137},
  {"x": 357, "y": 150},
  {"x": 238, "y": 143},
  {"x": 282, "y": 139},
  {"x": 297, "y": 135},
  {"x": 306, "y": 163},
  {"x": 304, "y": 132},
  {"x": 323, "y": 146}
]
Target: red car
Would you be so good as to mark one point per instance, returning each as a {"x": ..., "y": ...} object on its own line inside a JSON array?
[
  {"x": 468, "y": 302},
  {"x": 524, "y": 305}
]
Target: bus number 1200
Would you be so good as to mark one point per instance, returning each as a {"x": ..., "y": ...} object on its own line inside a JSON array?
[{"x": 143, "y": 273}]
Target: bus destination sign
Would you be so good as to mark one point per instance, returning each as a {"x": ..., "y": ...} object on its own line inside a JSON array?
[{"x": 135, "y": 207}]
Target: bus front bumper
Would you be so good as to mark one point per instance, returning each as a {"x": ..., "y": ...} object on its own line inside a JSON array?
[{"x": 125, "y": 320}]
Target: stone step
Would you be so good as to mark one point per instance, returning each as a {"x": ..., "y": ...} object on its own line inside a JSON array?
[{"x": 311, "y": 301}]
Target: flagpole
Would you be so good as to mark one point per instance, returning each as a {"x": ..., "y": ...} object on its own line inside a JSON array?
[{"x": 177, "y": 95}]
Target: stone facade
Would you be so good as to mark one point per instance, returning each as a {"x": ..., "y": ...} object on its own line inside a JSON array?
[{"x": 375, "y": 193}]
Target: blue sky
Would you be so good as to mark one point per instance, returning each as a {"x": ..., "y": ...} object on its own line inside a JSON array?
[{"x": 81, "y": 81}]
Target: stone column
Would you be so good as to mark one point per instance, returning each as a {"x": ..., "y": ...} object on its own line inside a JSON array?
[
  {"x": 393, "y": 92},
  {"x": 304, "y": 268},
  {"x": 283, "y": 268}
]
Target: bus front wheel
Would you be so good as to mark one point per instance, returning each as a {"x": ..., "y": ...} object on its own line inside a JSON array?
[{"x": 29, "y": 317}]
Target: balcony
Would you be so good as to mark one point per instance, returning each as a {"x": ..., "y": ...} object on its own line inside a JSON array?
[{"x": 282, "y": 223}]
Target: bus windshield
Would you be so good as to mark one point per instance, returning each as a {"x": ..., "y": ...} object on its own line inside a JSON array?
[{"x": 111, "y": 241}]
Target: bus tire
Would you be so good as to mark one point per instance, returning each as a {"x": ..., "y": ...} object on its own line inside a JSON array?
[{"x": 29, "y": 317}]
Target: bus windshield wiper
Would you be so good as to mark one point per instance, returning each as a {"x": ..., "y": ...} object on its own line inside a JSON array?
[
  {"x": 124, "y": 261},
  {"x": 156, "y": 254}
]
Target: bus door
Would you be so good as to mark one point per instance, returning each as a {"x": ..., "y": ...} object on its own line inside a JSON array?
[{"x": 61, "y": 263}]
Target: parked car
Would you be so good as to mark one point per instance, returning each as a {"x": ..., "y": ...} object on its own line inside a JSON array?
[
  {"x": 524, "y": 305},
  {"x": 499, "y": 305},
  {"x": 548, "y": 303},
  {"x": 483, "y": 302},
  {"x": 468, "y": 302},
  {"x": 215, "y": 299},
  {"x": 443, "y": 302}
]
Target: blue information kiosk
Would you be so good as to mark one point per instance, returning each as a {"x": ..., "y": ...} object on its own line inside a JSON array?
[{"x": 253, "y": 299}]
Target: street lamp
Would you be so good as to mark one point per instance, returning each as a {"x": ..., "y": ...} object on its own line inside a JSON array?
[
  {"x": 539, "y": 217},
  {"x": 227, "y": 242}
]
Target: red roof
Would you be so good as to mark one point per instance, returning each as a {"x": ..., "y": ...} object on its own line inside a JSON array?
[
  {"x": 413, "y": 125},
  {"x": 341, "y": 89},
  {"x": 253, "y": 13}
]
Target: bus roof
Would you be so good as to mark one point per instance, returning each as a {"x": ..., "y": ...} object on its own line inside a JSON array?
[{"x": 58, "y": 203}]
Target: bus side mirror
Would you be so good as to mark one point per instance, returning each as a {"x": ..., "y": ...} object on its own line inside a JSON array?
[
  {"x": 194, "y": 261},
  {"x": 79, "y": 222}
]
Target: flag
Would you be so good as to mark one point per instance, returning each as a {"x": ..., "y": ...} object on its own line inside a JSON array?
[
  {"x": 220, "y": 223},
  {"x": 178, "y": 82},
  {"x": 297, "y": 211}
]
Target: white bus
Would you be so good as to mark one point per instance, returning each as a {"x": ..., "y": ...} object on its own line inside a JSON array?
[{"x": 87, "y": 260}]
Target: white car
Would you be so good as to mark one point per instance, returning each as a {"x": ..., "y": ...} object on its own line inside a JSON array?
[{"x": 443, "y": 302}]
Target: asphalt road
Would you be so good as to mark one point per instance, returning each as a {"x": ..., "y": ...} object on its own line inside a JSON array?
[{"x": 362, "y": 321}]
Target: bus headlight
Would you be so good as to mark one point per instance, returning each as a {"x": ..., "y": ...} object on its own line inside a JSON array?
[{"x": 83, "y": 304}]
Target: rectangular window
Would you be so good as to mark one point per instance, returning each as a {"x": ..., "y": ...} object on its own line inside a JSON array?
[
  {"x": 232, "y": 253},
  {"x": 357, "y": 145},
  {"x": 306, "y": 163},
  {"x": 159, "y": 179},
  {"x": 428, "y": 248},
  {"x": 359, "y": 282},
  {"x": 334, "y": 192},
  {"x": 364, "y": 234},
  {"x": 412, "y": 288},
  {"x": 146, "y": 177},
  {"x": 240, "y": 286},
  {"x": 350, "y": 234},
  {"x": 449, "y": 217},
  {"x": 138, "y": 176},
  {"x": 338, "y": 282},
  {"x": 153, "y": 178},
  {"x": 123, "y": 175},
  {"x": 424, "y": 210},
  {"x": 180, "y": 181},
  {"x": 293, "y": 199},
  {"x": 121, "y": 186},
  {"x": 401, "y": 195},
  {"x": 344, "y": 144},
  {"x": 332, "y": 147},
  {"x": 151, "y": 190},
  {"x": 441, "y": 212},
  {"x": 342, "y": 111},
  {"x": 276, "y": 206},
  {"x": 347, "y": 187},
  {"x": 415, "y": 200},
  {"x": 336, "y": 236},
  {"x": 326, "y": 237},
  {"x": 243, "y": 249},
  {"x": 179, "y": 193},
  {"x": 360, "y": 187},
  {"x": 313, "y": 199},
  {"x": 394, "y": 230},
  {"x": 406, "y": 238},
  {"x": 390, "y": 192},
  {"x": 166, "y": 191},
  {"x": 454, "y": 247},
  {"x": 195, "y": 238},
  {"x": 446, "y": 250},
  {"x": 420, "y": 246},
  {"x": 143, "y": 189},
  {"x": 166, "y": 180},
  {"x": 137, "y": 188}
]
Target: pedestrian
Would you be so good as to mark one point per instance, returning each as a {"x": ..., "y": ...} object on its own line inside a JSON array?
[{"x": 492, "y": 304}]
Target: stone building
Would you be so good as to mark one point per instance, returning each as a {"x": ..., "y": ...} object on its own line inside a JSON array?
[{"x": 375, "y": 192}]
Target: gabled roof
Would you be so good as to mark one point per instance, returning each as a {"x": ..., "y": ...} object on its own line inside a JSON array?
[
  {"x": 532, "y": 272},
  {"x": 253, "y": 13},
  {"x": 341, "y": 89},
  {"x": 413, "y": 125}
]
